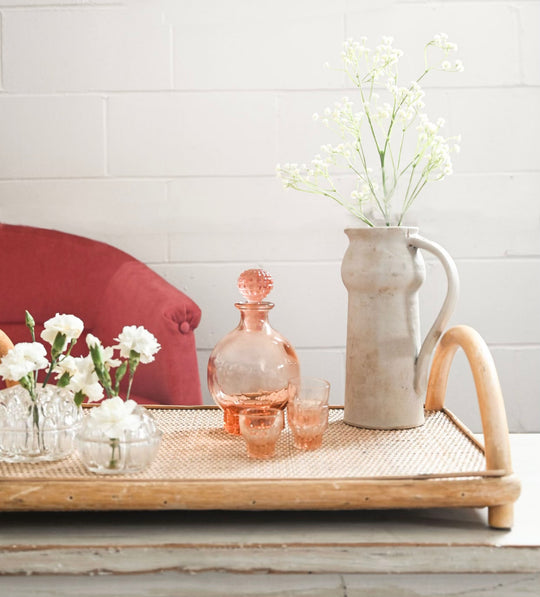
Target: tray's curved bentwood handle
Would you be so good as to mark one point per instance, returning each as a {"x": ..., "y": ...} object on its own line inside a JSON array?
[{"x": 490, "y": 401}]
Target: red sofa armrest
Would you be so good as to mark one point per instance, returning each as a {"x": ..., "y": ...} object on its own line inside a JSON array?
[{"x": 136, "y": 295}]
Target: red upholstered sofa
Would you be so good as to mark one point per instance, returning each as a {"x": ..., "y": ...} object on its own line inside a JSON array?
[{"x": 49, "y": 272}]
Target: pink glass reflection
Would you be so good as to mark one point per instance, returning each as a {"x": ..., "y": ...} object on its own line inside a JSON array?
[
  {"x": 307, "y": 411},
  {"x": 261, "y": 428},
  {"x": 251, "y": 366}
]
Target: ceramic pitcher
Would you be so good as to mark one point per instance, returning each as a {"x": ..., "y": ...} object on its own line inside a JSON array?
[{"x": 386, "y": 363}]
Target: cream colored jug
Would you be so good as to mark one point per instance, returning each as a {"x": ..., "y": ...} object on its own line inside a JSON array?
[{"x": 386, "y": 364}]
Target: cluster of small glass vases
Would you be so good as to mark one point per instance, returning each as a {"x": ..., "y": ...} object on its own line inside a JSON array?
[
  {"x": 40, "y": 430},
  {"x": 53, "y": 426}
]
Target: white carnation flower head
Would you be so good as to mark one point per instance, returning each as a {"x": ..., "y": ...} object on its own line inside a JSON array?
[
  {"x": 83, "y": 377},
  {"x": 92, "y": 340},
  {"x": 106, "y": 353},
  {"x": 69, "y": 325},
  {"x": 22, "y": 359},
  {"x": 115, "y": 416},
  {"x": 140, "y": 340},
  {"x": 66, "y": 365}
]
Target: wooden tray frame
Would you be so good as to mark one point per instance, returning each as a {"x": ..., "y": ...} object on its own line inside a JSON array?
[{"x": 496, "y": 488}]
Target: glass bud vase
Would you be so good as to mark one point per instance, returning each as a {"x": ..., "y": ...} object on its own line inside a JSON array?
[
  {"x": 40, "y": 430},
  {"x": 251, "y": 366},
  {"x": 131, "y": 452}
]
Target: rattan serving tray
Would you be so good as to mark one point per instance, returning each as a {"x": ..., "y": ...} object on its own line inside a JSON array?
[{"x": 199, "y": 466}]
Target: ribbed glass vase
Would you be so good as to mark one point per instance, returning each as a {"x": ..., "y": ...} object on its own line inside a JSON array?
[
  {"x": 131, "y": 452},
  {"x": 40, "y": 430}
]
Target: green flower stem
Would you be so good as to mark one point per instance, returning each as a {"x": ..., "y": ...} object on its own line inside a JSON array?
[
  {"x": 134, "y": 360},
  {"x": 56, "y": 354},
  {"x": 409, "y": 200},
  {"x": 360, "y": 152},
  {"x": 28, "y": 382},
  {"x": 116, "y": 455},
  {"x": 370, "y": 122},
  {"x": 419, "y": 186},
  {"x": 101, "y": 371},
  {"x": 35, "y": 420},
  {"x": 409, "y": 186},
  {"x": 129, "y": 386},
  {"x": 337, "y": 198}
]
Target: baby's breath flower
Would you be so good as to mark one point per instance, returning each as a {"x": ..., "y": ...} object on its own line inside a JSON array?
[{"x": 383, "y": 118}]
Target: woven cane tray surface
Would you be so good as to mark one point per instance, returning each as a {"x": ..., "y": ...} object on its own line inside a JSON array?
[{"x": 195, "y": 447}]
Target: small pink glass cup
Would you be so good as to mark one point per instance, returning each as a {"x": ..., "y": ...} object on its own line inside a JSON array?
[
  {"x": 261, "y": 428},
  {"x": 307, "y": 411}
]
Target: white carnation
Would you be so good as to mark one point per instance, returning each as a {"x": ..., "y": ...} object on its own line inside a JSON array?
[
  {"x": 22, "y": 359},
  {"x": 106, "y": 353},
  {"x": 114, "y": 416},
  {"x": 83, "y": 377},
  {"x": 69, "y": 325},
  {"x": 139, "y": 340}
]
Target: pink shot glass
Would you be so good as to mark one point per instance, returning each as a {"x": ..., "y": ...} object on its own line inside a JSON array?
[
  {"x": 307, "y": 411},
  {"x": 261, "y": 428}
]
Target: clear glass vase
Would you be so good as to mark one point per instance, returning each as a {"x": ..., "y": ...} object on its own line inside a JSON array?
[
  {"x": 251, "y": 366},
  {"x": 40, "y": 430},
  {"x": 131, "y": 453}
]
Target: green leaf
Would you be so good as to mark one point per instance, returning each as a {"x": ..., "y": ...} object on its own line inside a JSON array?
[
  {"x": 134, "y": 358},
  {"x": 101, "y": 371},
  {"x": 64, "y": 380},
  {"x": 28, "y": 383},
  {"x": 79, "y": 398},
  {"x": 58, "y": 345}
]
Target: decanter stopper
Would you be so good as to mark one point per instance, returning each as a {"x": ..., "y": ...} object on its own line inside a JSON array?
[{"x": 255, "y": 284}]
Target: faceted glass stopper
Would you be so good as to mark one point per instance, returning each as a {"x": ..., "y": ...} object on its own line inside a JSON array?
[{"x": 255, "y": 284}]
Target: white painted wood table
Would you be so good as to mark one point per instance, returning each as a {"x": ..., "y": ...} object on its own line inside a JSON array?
[{"x": 430, "y": 552}]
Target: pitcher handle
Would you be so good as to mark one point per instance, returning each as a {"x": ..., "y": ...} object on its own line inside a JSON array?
[{"x": 452, "y": 293}]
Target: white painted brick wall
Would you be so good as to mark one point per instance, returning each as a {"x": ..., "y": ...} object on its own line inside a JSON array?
[{"x": 155, "y": 125}]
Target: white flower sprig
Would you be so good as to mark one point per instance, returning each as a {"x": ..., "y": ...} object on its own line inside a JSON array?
[
  {"x": 385, "y": 124},
  {"x": 135, "y": 344},
  {"x": 25, "y": 359},
  {"x": 115, "y": 416},
  {"x": 22, "y": 362},
  {"x": 78, "y": 373}
]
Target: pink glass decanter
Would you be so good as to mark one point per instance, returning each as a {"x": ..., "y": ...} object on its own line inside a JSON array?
[{"x": 251, "y": 366}]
